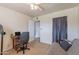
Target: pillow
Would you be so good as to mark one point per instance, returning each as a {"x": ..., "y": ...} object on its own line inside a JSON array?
[{"x": 65, "y": 44}]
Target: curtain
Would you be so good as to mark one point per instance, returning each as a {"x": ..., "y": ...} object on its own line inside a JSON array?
[{"x": 59, "y": 29}]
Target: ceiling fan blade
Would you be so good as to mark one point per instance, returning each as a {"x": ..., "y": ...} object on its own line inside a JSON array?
[{"x": 35, "y": 6}]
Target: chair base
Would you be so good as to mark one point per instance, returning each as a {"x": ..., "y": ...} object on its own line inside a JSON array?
[{"x": 23, "y": 49}]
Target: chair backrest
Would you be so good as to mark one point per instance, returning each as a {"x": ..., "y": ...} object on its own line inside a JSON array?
[{"x": 24, "y": 37}]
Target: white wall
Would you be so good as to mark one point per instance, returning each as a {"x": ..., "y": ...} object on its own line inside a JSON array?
[
  {"x": 12, "y": 21},
  {"x": 46, "y": 24}
]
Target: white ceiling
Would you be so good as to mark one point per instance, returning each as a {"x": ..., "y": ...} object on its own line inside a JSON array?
[{"x": 47, "y": 7}]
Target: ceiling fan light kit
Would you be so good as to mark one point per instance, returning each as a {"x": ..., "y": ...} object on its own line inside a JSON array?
[{"x": 35, "y": 7}]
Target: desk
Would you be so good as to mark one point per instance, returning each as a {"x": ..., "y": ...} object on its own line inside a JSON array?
[
  {"x": 18, "y": 45},
  {"x": 16, "y": 42}
]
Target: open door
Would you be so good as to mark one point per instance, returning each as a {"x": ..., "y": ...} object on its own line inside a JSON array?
[{"x": 37, "y": 30}]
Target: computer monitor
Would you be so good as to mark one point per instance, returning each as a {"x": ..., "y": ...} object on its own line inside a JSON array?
[{"x": 17, "y": 33}]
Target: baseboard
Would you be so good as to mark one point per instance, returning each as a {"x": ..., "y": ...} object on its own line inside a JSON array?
[{"x": 46, "y": 42}]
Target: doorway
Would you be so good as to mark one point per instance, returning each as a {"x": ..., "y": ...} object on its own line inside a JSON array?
[
  {"x": 59, "y": 29},
  {"x": 37, "y": 31}
]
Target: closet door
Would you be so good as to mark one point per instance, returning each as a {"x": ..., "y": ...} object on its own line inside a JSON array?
[
  {"x": 55, "y": 30},
  {"x": 63, "y": 28},
  {"x": 59, "y": 29}
]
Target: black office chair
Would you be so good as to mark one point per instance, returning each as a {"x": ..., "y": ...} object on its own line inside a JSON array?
[{"x": 24, "y": 41}]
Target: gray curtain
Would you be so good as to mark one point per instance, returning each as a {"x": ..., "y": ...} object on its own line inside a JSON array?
[{"x": 59, "y": 29}]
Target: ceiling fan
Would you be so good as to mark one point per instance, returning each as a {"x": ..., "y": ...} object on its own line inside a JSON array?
[{"x": 35, "y": 6}]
